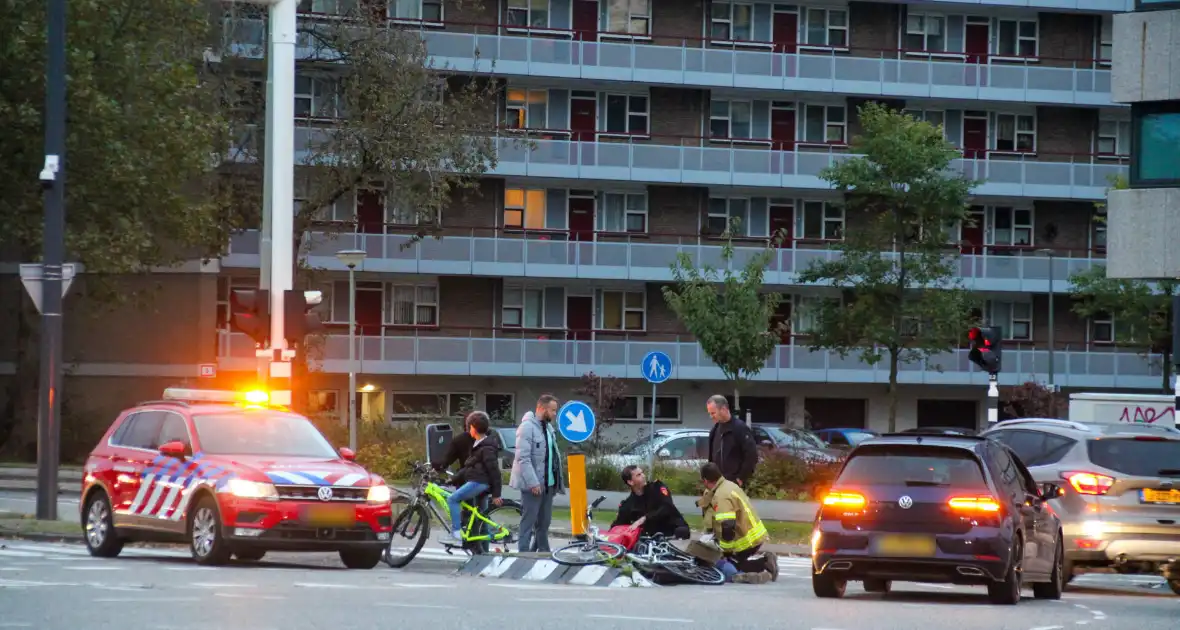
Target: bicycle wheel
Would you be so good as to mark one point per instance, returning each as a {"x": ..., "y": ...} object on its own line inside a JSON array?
[
  {"x": 695, "y": 573},
  {"x": 412, "y": 527},
  {"x": 582, "y": 554},
  {"x": 508, "y": 516}
]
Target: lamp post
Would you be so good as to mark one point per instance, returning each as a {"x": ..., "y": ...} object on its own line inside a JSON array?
[
  {"x": 1052, "y": 319},
  {"x": 351, "y": 258}
]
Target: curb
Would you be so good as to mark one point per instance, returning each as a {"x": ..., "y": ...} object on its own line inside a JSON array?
[
  {"x": 39, "y": 537},
  {"x": 544, "y": 571}
]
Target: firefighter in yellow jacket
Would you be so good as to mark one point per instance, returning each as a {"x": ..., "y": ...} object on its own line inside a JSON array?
[{"x": 736, "y": 529}]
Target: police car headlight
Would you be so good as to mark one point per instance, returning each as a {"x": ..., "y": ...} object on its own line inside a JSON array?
[
  {"x": 250, "y": 489},
  {"x": 380, "y": 494}
]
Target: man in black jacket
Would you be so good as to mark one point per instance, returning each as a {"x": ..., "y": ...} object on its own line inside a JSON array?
[
  {"x": 731, "y": 443},
  {"x": 650, "y": 506}
]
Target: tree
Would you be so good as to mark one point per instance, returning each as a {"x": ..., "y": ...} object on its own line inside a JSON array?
[
  {"x": 906, "y": 306},
  {"x": 729, "y": 314},
  {"x": 1140, "y": 312},
  {"x": 140, "y": 187},
  {"x": 1033, "y": 400},
  {"x": 603, "y": 394}
]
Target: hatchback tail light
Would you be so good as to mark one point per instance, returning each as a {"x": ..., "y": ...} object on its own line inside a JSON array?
[
  {"x": 1088, "y": 483},
  {"x": 845, "y": 500},
  {"x": 980, "y": 504}
]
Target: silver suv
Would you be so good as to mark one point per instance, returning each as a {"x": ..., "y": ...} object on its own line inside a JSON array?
[{"x": 1120, "y": 505}]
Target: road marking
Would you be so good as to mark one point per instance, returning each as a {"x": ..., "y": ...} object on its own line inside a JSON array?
[
  {"x": 15, "y": 624},
  {"x": 13, "y": 569},
  {"x": 532, "y": 587},
  {"x": 430, "y": 606},
  {"x": 248, "y": 596},
  {"x": 141, "y": 600},
  {"x": 559, "y": 599},
  {"x": 18, "y": 554},
  {"x": 626, "y": 618},
  {"x": 369, "y": 587},
  {"x": 92, "y": 567},
  {"x": 222, "y": 585},
  {"x": 1049, "y": 628}
]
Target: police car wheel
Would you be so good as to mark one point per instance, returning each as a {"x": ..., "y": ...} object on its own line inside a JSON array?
[
  {"x": 361, "y": 558},
  {"x": 102, "y": 540},
  {"x": 206, "y": 541}
]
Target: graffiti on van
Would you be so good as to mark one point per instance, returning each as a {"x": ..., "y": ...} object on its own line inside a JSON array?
[{"x": 1146, "y": 415}]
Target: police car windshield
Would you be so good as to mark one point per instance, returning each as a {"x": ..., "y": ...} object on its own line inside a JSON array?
[{"x": 260, "y": 433}]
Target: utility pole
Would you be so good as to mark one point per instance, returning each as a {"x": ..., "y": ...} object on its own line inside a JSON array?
[{"x": 53, "y": 180}]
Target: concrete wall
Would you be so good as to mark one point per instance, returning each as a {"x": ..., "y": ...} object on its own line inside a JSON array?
[
  {"x": 1146, "y": 64},
  {"x": 1143, "y": 229}
]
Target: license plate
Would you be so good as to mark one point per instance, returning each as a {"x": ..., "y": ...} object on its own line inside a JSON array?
[
  {"x": 328, "y": 515},
  {"x": 1161, "y": 496},
  {"x": 908, "y": 546}
]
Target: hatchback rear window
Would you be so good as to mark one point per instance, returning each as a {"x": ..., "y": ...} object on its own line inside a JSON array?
[
  {"x": 1137, "y": 457},
  {"x": 915, "y": 466}
]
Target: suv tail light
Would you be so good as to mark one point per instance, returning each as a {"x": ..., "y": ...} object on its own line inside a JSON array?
[
  {"x": 845, "y": 500},
  {"x": 985, "y": 504},
  {"x": 1088, "y": 483}
]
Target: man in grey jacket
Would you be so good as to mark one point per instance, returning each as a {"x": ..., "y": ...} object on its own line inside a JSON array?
[{"x": 537, "y": 473}]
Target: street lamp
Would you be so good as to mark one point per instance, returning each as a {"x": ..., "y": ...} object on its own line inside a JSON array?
[
  {"x": 351, "y": 258},
  {"x": 1052, "y": 320}
]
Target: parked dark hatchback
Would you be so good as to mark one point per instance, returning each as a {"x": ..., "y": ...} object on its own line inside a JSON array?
[{"x": 934, "y": 508}]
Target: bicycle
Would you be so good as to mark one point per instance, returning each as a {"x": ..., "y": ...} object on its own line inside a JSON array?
[
  {"x": 428, "y": 499},
  {"x": 656, "y": 553},
  {"x": 592, "y": 549}
]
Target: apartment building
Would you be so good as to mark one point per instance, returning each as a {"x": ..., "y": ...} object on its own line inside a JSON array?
[{"x": 654, "y": 122}]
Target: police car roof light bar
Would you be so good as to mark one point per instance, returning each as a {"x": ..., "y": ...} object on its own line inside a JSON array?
[{"x": 213, "y": 395}]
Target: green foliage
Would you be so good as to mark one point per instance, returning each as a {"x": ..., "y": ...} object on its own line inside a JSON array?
[
  {"x": 905, "y": 303},
  {"x": 784, "y": 476},
  {"x": 1141, "y": 310},
  {"x": 729, "y": 314},
  {"x": 1117, "y": 182}
]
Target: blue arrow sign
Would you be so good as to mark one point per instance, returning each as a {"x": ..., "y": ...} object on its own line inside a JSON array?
[
  {"x": 575, "y": 421},
  {"x": 656, "y": 367}
]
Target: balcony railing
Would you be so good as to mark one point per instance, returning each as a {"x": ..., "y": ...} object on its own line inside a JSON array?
[
  {"x": 562, "y": 54},
  {"x": 642, "y": 257},
  {"x": 521, "y": 354},
  {"x": 659, "y": 159}
]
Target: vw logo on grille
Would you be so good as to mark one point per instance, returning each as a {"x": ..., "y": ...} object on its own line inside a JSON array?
[
  {"x": 905, "y": 502},
  {"x": 325, "y": 493}
]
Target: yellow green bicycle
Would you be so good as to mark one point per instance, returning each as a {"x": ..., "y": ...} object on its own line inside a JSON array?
[{"x": 499, "y": 526}]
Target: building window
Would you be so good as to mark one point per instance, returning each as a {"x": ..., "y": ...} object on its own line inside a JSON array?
[
  {"x": 626, "y": 114},
  {"x": 1017, "y": 38},
  {"x": 925, "y": 33},
  {"x": 322, "y": 401},
  {"x": 824, "y": 124},
  {"x": 732, "y": 21},
  {"x": 723, "y": 212},
  {"x": 524, "y": 209},
  {"x": 1014, "y": 317},
  {"x": 528, "y": 13},
  {"x": 1012, "y": 227},
  {"x": 425, "y": 10},
  {"x": 526, "y": 109},
  {"x": 1016, "y": 133},
  {"x": 327, "y": 7},
  {"x": 411, "y": 305},
  {"x": 1102, "y": 328},
  {"x": 1156, "y": 157},
  {"x": 1114, "y": 137},
  {"x": 622, "y": 310},
  {"x": 632, "y": 17},
  {"x": 934, "y": 117},
  {"x": 805, "y": 314},
  {"x": 731, "y": 119},
  {"x": 623, "y": 212},
  {"x": 315, "y": 97},
  {"x": 822, "y": 221},
  {"x": 533, "y": 308},
  {"x": 501, "y": 407},
  {"x": 1097, "y": 232},
  {"x": 826, "y": 27},
  {"x": 1106, "y": 40},
  {"x": 627, "y": 409},
  {"x": 411, "y": 406}
]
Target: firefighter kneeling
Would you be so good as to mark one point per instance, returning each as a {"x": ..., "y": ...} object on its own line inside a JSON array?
[{"x": 736, "y": 529}]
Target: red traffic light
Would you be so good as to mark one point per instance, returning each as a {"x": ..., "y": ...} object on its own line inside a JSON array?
[{"x": 985, "y": 348}]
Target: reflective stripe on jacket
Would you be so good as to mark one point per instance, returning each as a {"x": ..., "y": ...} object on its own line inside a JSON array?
[{"x": 725, "y": 503}]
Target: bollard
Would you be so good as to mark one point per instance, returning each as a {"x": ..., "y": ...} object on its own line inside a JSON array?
[{"x": 576, "y": 464}]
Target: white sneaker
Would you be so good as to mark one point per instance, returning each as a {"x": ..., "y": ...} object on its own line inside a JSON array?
[{"x": 450, "y": 538}]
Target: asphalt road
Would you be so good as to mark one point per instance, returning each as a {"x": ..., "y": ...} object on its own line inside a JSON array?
[{"x": 57, "y": 586}]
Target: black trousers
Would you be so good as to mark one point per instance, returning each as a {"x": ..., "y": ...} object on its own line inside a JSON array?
[{"x": 750, "y": 560}]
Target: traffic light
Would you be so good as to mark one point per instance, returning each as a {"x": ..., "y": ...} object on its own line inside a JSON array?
[
  {"x": 985, "y": 348},
  {"x": 249, "y": 312},
  {"x": 298, "y": 320}
]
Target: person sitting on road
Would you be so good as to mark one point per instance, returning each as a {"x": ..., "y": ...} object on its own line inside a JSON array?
[
  {"x": 480, "y": 473},
  {"x": 650, "y": 507},
  {"x": 736, "y": 529}
]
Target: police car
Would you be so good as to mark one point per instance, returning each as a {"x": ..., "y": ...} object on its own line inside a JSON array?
[{"x": 229, "y": 474}]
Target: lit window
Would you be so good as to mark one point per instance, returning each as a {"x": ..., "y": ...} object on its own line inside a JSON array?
[
  {"x": 524, "y": 209},
  {"x": 526, "y": 109},
  {"x": 621, "y": 310}
]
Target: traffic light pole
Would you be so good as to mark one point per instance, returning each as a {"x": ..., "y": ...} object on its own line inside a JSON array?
[
  {"x": 1176, "y": 352},
  {"x": 993, "y": 399},
  {"x": 280, "y": 188}
]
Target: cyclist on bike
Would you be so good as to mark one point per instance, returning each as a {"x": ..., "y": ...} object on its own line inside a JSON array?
[
  {"x": 480, "y": 473},
  {"x": 650, "y": 507}
]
